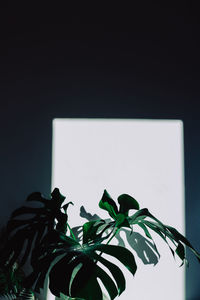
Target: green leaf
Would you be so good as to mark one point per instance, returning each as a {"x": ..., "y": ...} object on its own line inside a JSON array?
[
  {"x": 107, "y": 282},
  {"x": 179, "y": 237},
  {"x": 140, "y": 214},
  {"x": 180, "y": 251},
  {"x": 146, "y": 231},
  {"x": 121, "y": 221},
  {"x": 78, "y": 267},
  {"x": 86, "y": 286},
  {"x": 40, "y": 271},
  {"x": 126, "y": 203},
  {"x": 91, "y": 228},
  {"x": 64, "y": 267},
  {"x": 108, "y": 204},
  {"x": 158, "y": 230},
  {"x": 122, "y": 254},
  {"x": 155, "y": 228},
  {"x": 115, "y": 271},
  {"x": 120, "y": 218}
]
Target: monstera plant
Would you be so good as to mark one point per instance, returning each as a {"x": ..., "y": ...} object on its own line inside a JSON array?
[{"x": 41, "y": 237}]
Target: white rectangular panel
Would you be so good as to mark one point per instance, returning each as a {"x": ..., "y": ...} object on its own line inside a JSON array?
[{"x": 143, "y": 158}]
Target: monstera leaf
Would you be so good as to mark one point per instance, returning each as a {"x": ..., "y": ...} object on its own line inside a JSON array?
[
  {"x": 144, "y": 219},
  {"x": 126, "y": 203},
  {"x": 93, "y": 231},
  {"x": 28, "y": 225},
  {"x": 78, "y": 267},
  {"x": 170, "y": 235}
]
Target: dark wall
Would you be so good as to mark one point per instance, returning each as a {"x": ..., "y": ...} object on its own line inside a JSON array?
[{"x": 112, "y": 63}]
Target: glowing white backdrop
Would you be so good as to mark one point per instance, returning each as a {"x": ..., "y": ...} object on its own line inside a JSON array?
[{"x": 143, "y": 158}]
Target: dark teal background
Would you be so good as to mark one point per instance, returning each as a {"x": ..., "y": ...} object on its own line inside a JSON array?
[{"x": 96, "y": 62}]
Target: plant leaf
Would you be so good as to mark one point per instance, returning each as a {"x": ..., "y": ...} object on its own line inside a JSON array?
[
  {"x": 115, "y": 271},
  {"x": 121, "y": 253},
  {"x": 180, "y": 251},
  {"x": 90, "y": 231},
  {"x": 126, "y": 203},
  {"x": 107, "y": 203},
  {"x": 32, "y": 223},
  {"x": 178, "y": 236},
  {"x": 121, "y": 221},
  {"x": 107, "y": 282},
  {"x": 71, "y": 257}
]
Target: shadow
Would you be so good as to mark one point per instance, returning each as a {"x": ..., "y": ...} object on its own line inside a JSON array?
[
  {"x": 77, "y": 231},
  {"x": 86, "y": 215},
  {"x": 145, "y": 248}
]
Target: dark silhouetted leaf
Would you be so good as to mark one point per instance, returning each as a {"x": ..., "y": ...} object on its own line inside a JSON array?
[
  {"x": 121, "y": 253},
  {"x": 126, "y": 203},
  {"x": 180, "y": 251},
  {"x": 115, "y": 271}
]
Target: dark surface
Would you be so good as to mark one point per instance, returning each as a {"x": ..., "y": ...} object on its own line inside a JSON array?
[{"x": 106, "y": 62}]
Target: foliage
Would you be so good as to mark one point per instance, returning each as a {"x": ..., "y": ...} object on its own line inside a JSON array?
[
  {"x": 11, "y": 276},
  {"x": 42, "y": 236}
]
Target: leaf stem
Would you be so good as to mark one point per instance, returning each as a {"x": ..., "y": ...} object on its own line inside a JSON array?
[
  {"x": 114, "y": 234},
  {"x": 72, "y": 234}
]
